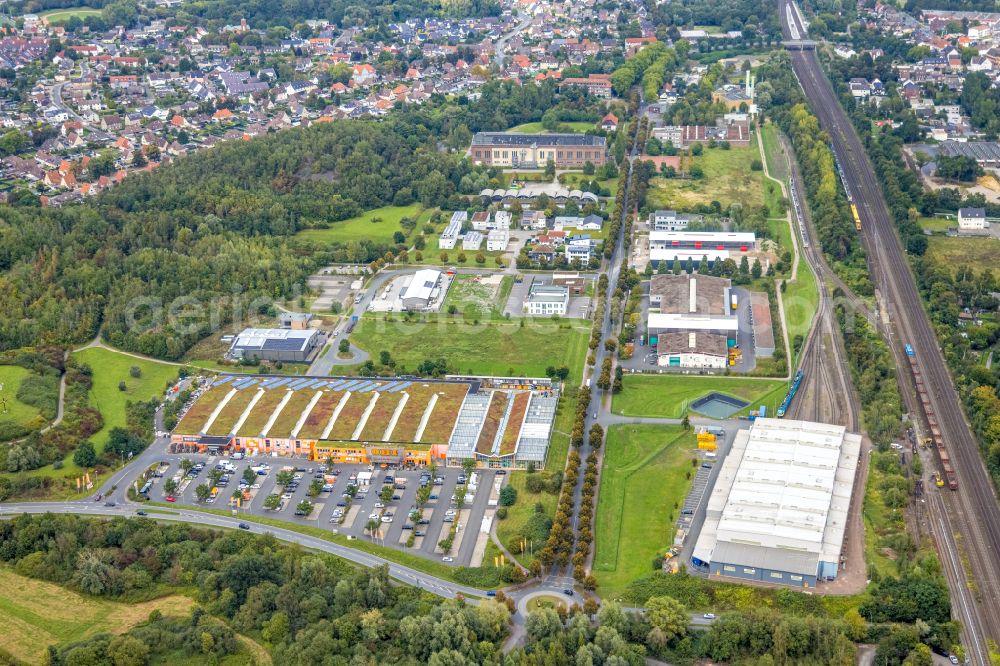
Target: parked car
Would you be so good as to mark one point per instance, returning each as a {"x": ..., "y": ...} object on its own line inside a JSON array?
[{"x": 170, "y": 498}]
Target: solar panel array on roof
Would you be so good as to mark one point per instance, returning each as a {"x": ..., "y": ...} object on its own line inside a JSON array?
[
  {"x": 281, "y": 382},
  {"x": 350, "y": 386},
  {"x": 400, "y": 387},
  {"x": 285, "y": 344},
  {"x": 386, "y": 388},
  {"x": 318, "y": 383},
  {"x": 243, "y": 383},
  {"x": 335, "y": 385},
  {"x": 367, "y": 386},
  {"x": 223, "y": 380}
]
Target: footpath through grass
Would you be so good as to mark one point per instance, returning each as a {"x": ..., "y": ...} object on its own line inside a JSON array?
[
  {"x": 518, "y": 347},
  {"x": 37, "y": 614},
  {"x": 670, "y": 396},
  {"x": 110, "y": 368},
  {"x": 646, "y": 475}
]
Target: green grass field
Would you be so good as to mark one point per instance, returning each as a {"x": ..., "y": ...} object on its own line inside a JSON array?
[
  {"x": 536, "y": 128},
  {"x": 365, "y": 226},
  {"x": 976, "y": 253},
  {"x": 936, "y": 224},
  {"x": 669, "y": 395},
  {"x": 646, "y": 476},
  {"x": 728, "y": 180},
  {"x": 489, "y": 348},
  {"x": 14, "y": 410},
  {"x": 62, "y": 15},
  {"x": 772, "y": 152},
  {"x": 37, "y": 614},
  {"x": 111, "y": 367},
  {"x": 801, "y": 299}
]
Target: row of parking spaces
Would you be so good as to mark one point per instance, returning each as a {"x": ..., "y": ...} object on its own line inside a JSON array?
[
  {"x": 345, "y": 505},
  {"x": 696, "y": 495}
]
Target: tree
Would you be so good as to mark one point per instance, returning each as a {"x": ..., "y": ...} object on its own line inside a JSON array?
[
  {"x": 686, "y": 422},
  {"x": 386, "y": 494},
  {"x": 462, "y": 258},
  {"x": 186, "y": 465},
  {"x": 237, "y": 497},
  {"x": 122, "y": 386},
  {"x": 304, "y": 507},
  {"x": 127, "y": 651},
  {"x": 249, "y": 476},
  {"x": 550, "y": 168},
  {"x": 668, "y": 616},
  {"x": 284, "y": 477},
  {"x": 169, "y": 487},
  {"x": 272, "y": 502},
  {"x": 315, "y": 488},
  {"x": 508, "y": 495},
  {"x": 276, "y": 629},
  {"x": 343, "y": 346},
  {"x": 85, "y": 455},
  {"x": 202, "y": 492}
]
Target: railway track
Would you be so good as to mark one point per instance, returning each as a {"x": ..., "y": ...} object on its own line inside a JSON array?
[
  {"x": 827, "y": 394},
  {"x": 972, "y": 510}
]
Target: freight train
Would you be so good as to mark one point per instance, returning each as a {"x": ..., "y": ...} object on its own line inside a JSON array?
[{"x": 948, "y": 472}]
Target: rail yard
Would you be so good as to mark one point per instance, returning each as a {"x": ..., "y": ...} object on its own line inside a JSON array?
[{"x": 972, "y": 509}]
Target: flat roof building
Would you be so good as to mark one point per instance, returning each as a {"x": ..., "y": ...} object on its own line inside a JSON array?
[
  {"x": 448, "y": 237},
  {"x": 422, "y": 289},
  {"x": 778, "y": 512},
  {"x": 692, "y": 350},
  {"x": 763, "y": 328},
  {"x": 691, "y": 303},
  {"x": 713, "y": 245},
  {"x": 275, "y": 344},
  {"x": 511, "y": 149},
  {"x": 545, "y": 300}
]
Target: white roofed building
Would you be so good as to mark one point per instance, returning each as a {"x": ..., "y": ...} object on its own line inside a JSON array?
[
  {"x": 711, "y": 245},
  {"x": 779, "y": 509},
  {"x": 423, "y": 288}
]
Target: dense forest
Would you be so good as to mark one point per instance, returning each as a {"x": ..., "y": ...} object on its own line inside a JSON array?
[
  {"x": 316, "y": 609},
  {"x": 267, "y": 13},
  {"x": 160, "y": 261}
]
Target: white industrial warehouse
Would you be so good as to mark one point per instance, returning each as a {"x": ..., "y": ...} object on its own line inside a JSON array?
[{"x": 779, "y": 509}]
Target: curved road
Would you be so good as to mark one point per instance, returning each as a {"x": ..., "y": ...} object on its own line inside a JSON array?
[{"x": 402, "y": 573}]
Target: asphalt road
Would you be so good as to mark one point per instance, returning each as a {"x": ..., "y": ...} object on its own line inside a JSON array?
[{"x": 403, "y": 574}]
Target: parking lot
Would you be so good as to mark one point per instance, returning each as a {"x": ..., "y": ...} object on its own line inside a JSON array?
[
  {"x": 644, "y": 358},
  {"x": 389, "y": 297},
  {"x": 578, "y": 307},
  {"x": 348, "y": 500}
]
